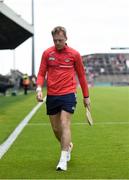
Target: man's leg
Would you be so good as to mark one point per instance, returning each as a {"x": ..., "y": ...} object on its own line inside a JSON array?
[
  {"x": 61, "y": 128},
  {"x": 60, "y": 123},
  {"x": 55, "y": 123},
  {"x": 65, "y": 122},
  {"x": 65, "y": 119}
]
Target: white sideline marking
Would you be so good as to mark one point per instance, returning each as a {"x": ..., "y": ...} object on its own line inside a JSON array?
[{"x": 8, "y": 142}]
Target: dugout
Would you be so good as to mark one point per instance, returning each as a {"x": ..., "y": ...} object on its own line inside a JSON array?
[{"x": 13, "y": 29}]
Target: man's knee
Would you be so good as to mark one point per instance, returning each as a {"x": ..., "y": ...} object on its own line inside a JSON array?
[
  {"x": 56, "y": 129},
  {"x": 65, "y": 122}
]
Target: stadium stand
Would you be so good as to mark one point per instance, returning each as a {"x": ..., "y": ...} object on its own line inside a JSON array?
[
  {"x": 13, "y": 82},
  {"x": 107, "y": 68},
  {"x": 5, "y": 84}
]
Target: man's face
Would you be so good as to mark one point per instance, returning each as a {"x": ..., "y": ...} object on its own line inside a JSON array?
[{"x": 59, "y": 40}]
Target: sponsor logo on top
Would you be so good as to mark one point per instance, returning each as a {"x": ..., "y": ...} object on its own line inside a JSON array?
[
  {"x": 51, "y": 58},
  {"x": 67, "y": 60}
]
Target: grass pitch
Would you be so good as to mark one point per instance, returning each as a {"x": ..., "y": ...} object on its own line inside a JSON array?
[{"x": 100, "y": 151}]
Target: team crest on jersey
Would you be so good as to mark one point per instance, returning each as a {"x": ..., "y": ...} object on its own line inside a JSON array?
[
  {"x": 51, "y": 58},
  {"x": 67, "y": 60}
]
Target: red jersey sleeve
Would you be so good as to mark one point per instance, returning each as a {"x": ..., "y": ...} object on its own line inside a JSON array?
[
  {"x": 42, "y": 70},
  {"x": 79, "y": 67}
]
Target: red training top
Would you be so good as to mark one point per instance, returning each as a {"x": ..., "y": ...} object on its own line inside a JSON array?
[{"x": 61, "y": 68}]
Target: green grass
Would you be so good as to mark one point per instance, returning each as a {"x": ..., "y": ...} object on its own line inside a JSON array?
[
  {"x": 100, "y": 151},
  {"x": 12, "y": 110}
]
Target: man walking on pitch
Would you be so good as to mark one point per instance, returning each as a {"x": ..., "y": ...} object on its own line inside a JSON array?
[{"x": 61, "y": 63}]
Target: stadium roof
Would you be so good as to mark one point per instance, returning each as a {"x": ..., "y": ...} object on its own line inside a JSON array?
[{"x": 13, "y": 29}]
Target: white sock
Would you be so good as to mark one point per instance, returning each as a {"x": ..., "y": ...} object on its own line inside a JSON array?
[{"x": 63, "y": 156}]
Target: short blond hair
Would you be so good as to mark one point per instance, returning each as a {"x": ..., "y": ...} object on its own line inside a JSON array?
[{"x": 59, "y": 29}]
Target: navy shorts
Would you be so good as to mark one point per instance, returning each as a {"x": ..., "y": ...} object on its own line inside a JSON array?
[{"x": 65, "y": 102}]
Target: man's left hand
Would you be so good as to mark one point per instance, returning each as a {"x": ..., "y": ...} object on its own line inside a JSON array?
[{"x": 86, "y": 102}]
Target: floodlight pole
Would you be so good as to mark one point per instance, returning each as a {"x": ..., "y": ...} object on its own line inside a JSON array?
[
  {"x": 119, "y": 48},
  {"x": 33, "y": 42},
  {"x": 14, "y": 60}
]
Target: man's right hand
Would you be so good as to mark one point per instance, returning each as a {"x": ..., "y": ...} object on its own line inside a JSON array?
[{"x": 39, "y": 96}]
